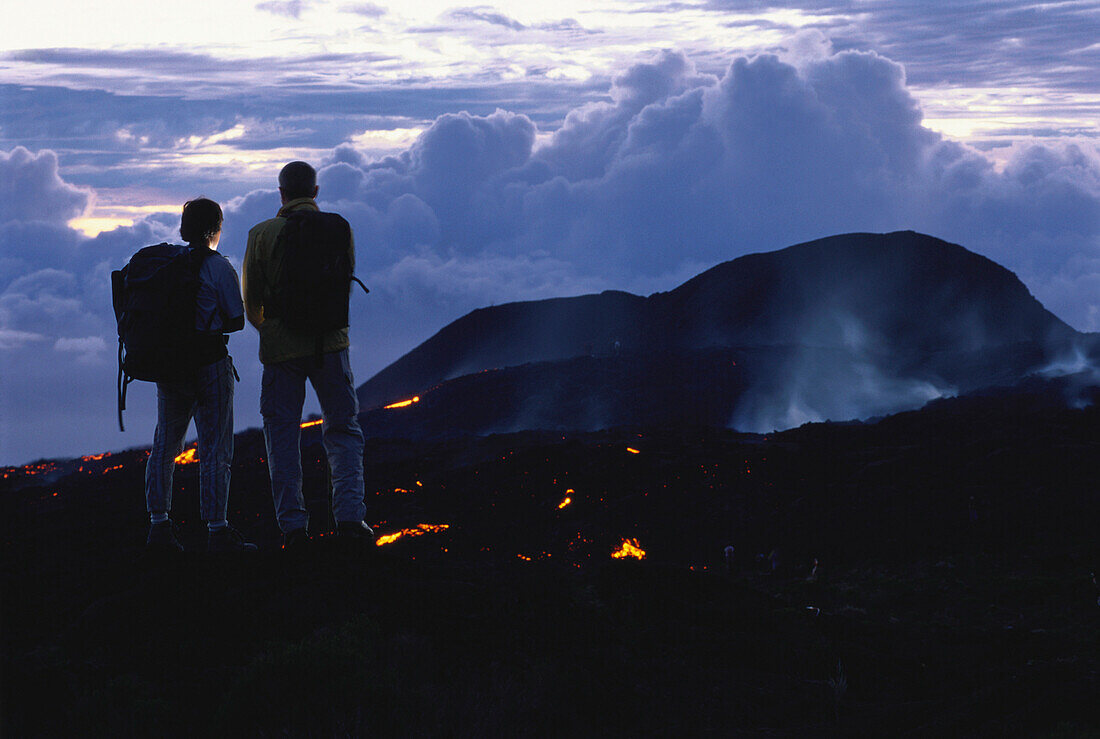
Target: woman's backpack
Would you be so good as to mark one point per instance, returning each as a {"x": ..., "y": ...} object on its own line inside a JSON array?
[{"x": 154, "y": 299}]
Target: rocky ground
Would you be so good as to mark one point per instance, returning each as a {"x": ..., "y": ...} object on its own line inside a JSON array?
[{"x": 953, "y": 594}]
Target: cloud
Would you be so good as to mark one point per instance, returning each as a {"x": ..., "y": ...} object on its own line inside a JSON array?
[
  {"x": 160, "y": 60},
  {"x": 32, "y": 190},
  {"x": 488, "y": 15},
  {"x": 285, "y": 8},
  {"x": 141, "y": 140},
  {"x": 10, "y": 339},
  {"x": 88, "y": 350},
  {"x": 370, "y": 10},
  {"x": 682, "y": 167},
  {"x": 196, "y": 72},
  {"x": 569, "y": 26},
  {"x": 976, "y": 42}
]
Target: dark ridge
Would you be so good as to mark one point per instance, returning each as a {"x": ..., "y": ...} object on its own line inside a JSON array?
[
  {"x": 507, "y": 335},
  {"x": 907, "y": 292}
]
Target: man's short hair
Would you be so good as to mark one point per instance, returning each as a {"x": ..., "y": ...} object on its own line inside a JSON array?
[
  {"x": 297, "y": 180},
  {"x": 201, "y": 219}
]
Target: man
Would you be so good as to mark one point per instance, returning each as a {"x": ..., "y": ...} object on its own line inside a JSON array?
[
  {"x": 204, "y": 393},
  {"x": 292, "y": 354}
]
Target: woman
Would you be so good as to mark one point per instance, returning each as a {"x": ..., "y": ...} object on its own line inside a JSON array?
[{"x": 206, "y": 395}]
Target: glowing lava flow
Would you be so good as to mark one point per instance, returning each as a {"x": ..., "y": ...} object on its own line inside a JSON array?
[
  {"x": 629, "y": 548},
  {"x": 567, "y": 500},
  {"x": 308, "y": 424},
  {"x": 424, "y": 528},
  {"x": 402, "y": 403},
  {"x": 632, "y": 450},
  {"x": 188, "y": 457}
]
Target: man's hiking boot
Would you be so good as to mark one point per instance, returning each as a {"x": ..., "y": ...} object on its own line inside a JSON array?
[
  {"x": 295, "y": 540},
  {"x": 162, "y": 538},
  {"x": 354, "y": 531},
  {"x": 228, "y": 539}
]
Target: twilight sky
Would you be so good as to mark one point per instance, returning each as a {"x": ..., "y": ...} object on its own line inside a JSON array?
[{"x": 521, "y": 150}]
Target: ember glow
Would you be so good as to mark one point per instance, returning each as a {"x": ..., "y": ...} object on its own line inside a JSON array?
[
  {"x": 632, "y": 450},
  {"x": 403, "y": 403},
  {"x": 630, "y": 548},
  {"x": 420, "y": 530},
  {"x": 42, "y": 468},
  {"x": 188, "y": 457},
  {"x": 567, "y": 500}
]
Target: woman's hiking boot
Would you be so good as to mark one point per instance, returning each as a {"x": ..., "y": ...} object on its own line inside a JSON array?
[
  {"x": 228, "y": 539},
  {"x": 162, "y": 537}
]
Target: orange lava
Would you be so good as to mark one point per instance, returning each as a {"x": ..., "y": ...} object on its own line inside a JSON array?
[
  {"x": 630, "y": 548},
  {"x": 402, "y": 403},
  {"x": 188, "y": 457},
  {"x": 420, "y": 530}
]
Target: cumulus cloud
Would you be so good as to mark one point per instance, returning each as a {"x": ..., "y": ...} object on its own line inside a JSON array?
[
  {"x": 683, "y": 167},
  {"x": 32, "y": 190},
  {"x": 56, "y": 321}
]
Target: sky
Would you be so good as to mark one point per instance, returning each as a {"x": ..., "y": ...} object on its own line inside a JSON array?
[{"x": 516, "y": 151}]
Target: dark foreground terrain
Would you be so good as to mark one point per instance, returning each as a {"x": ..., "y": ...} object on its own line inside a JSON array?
[{"x": 953, "y": 595}]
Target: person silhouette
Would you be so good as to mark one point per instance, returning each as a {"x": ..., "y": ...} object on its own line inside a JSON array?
[
  {"x": 292, "y": 354},
  {"x": 205, "y": 395}
]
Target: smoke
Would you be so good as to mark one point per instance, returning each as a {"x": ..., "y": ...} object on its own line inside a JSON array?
[
  {"x": 813, "y": 393},
  {"x": 820, "y": 380},
  {"x": 1079, "y": 369}
]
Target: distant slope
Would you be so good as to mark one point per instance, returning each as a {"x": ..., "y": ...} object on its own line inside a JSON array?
[
  {"x": 858, "y": 323},
  {"x": 509, "y": 335}
]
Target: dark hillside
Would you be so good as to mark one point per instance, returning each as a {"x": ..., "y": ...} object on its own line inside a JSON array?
[
  {"x": 953, "y": 594},
  {"x": 509, "y": 335}
]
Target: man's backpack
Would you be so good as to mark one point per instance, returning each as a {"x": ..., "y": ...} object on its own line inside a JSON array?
[
  {"x": 154, "y": 298},
  {"x": 312, "y": 288}
]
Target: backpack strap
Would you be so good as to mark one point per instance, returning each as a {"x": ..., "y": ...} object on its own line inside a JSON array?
[{"x": 124, "y": 381}]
